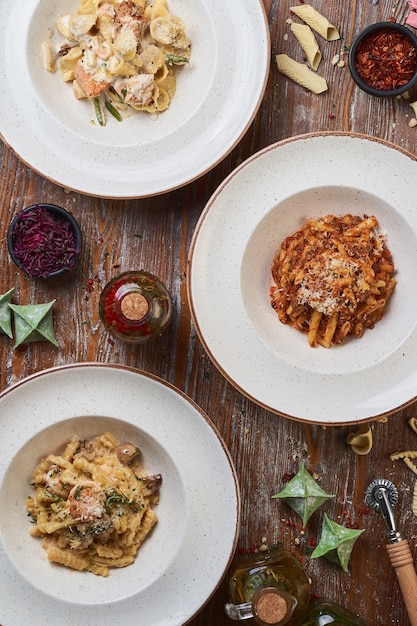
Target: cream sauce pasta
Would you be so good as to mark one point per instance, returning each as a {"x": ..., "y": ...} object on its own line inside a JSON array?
[
  {"x": 126, "y": 52},
  {"x": 93, "y": 504}
]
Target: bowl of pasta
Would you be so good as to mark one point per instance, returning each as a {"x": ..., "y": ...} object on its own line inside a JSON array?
[
  {"x": 301, "y": 298},
  {"x": 96, "y": 490},
  {"x": 130, "y": 99},
  {"x": 383, "y": 59}
]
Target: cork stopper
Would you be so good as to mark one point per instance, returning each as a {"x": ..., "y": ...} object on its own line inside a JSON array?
[
  {"x": 271, "y": 607},
  {"x": 134, "y": 306}
]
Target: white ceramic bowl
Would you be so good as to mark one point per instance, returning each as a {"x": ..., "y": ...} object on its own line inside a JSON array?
[
  {"x": 263, "y": 201},
  {"x": 184, "y": 558},
  {"x": 217, "y": 97}
]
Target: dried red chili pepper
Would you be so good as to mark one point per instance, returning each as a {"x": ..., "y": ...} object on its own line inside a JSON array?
[{"x": 386, "y": 59}]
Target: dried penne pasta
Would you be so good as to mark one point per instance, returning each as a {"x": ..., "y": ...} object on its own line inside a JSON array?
[
  {"x": 316, "y": 21},
  {"x": 332, "y": 278},
  {"x": 301, "y": 74},
  {"x": 93, "y": 506},
  {"x": 308, "y": 42}
]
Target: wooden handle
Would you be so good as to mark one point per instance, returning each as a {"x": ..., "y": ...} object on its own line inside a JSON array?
[{"x": 402, "y": 561}]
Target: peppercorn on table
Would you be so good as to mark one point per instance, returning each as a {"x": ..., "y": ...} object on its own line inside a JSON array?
[{"x": 154, "y": 234}]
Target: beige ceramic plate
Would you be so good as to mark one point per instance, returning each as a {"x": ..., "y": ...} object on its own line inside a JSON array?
[
  {"x": 267, "y": 198},
  {"x": 217, "y": 97},
  {"x": 181, "y": 563}
]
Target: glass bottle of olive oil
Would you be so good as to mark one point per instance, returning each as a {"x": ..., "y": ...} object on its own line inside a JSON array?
[{"x": 268, "y": 590}]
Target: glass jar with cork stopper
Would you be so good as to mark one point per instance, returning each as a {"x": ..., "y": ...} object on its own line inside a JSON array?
[
  {"x": 271, "y": 589},
  {"x": 135, "y": 306}
]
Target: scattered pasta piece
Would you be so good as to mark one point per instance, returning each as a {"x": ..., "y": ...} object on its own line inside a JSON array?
[
  {"x": 316, "y": 21},
  {"x": 410, "y": 454},
  {"x": 413, "y": 105},
  {"x": 301, "y": 74},
  {"x": 407, "y": 456},
  {"x": 361, "y": 440},
  {"x": 308, "y": 42},
  {"x": 413, "y": 424}
]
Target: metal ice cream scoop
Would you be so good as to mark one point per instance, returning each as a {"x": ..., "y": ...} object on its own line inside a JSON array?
[{"x": 382, "y": 496}]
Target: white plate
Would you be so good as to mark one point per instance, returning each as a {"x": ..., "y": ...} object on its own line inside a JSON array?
[
  {"x": 181, "y": 564},
  {"x": 267, "y": 198},
  {"x": 217, "y": 97}
]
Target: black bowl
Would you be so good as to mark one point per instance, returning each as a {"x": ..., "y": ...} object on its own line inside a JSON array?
[
  {"x": 61, "y": 216},
  {"x": 371, "y": 32}
]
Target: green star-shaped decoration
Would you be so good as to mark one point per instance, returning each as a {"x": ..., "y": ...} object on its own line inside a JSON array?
[
  {"x": 33, "y": 322},
  {"x": 303, "y": 494},
  {"x": 5, "y": 313},
  {"x": 336, "y": 543}
]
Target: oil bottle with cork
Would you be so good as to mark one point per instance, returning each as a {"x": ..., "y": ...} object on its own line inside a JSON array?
[
  {"x": 271, "y": 589},
  {"x": 135, "y": 307},
  {"x": 274, "y": 590}
]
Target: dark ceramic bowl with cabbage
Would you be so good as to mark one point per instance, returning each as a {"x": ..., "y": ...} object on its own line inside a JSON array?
[{"x": 44, "y": 240}]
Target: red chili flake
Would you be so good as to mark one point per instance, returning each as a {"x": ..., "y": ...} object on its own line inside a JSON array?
[
  {"x": 42, "y": 243},
  {"x": 91, "y": 283},
  {"x": 364, "y": 511},
  {"x": 351, "y": 522},
  {"x": 289, "y": 522},
  {"x": 331, "y": 116},
  {"x": 245, "y": 551},
  {"x": 386, "y": 59}
]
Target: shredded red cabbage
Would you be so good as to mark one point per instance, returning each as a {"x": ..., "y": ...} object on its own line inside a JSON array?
[{"x": 43, "y": 243}]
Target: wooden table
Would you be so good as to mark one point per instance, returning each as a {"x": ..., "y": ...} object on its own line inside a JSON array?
[{"x": 155, "y": 234}]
